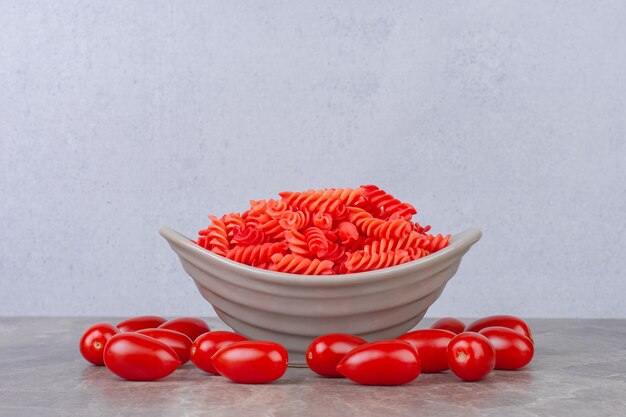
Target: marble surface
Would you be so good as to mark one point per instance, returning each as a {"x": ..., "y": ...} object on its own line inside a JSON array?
[{"x": 579, "y": 370}]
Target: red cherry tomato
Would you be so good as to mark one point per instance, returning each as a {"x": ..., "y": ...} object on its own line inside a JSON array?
[
  {"x": 325, "y": 352},
  {"x": 190, "y": 326},
  {"x": 177, "y": 341},
  {"x": 138, "y": 357},
  {"x": 94, "y": 340},
  {"x": 141, "y": 322},
  {"x": 510, "y": 322},
  {"x": 450, "y": 324},
  {"x": 432, "y": 347},
  {"x": 471, "y": 356},
  {"x": 251, "y": 362},
  {"x": 513, "y": 350},
  {"x": 386, "y": 362},
  {"x": 205, "y": 346}
]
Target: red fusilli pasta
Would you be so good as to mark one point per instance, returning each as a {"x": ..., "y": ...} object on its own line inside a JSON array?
[
  {"x": 297, "y": 243},
  {"x": 371, "y": 226},
  {"x": 298, "y": 265},
  {"x": 216, "y": 236},
  {"x": 323, "y": 232},
  {"x": 316, "y": 241},
  {"x": 362, "y": 261},
  {"x": 386, "y": 204},
  {"x": 255, "y": 254}
]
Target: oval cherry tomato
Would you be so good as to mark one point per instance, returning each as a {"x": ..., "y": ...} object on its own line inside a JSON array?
[
  {"x": 511, "y": 322},
  {"x": 138, "y": 357},
  {"x": 450, "y": 324},
  {"x": 432, "y": 347},
  {"x": 325, "y": 352},
  {"x": 251, "y": 362},
  {"x": 205, "y": 346},
  {"x": 513, "y": 350},
  {"x": 386, "y": 362},
  {"x": 140, "y": 322},
  {"x": 190, "y": 326},
  {"x": 177, "y": 341},
  {"x": 471, "y": 356},
  {"x": 94, "y": 340}
]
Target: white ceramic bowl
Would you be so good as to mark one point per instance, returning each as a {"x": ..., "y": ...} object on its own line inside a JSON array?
[{"x": 294, "y": 309}]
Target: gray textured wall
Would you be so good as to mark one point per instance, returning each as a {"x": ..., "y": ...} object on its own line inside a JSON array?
[{"x": 118, "y": 117}]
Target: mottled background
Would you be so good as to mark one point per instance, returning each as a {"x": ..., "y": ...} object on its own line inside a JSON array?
[{"x": 118, "y": 117}]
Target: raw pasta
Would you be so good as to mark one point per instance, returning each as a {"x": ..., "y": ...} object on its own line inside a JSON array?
[{"x": 323, "y": 232}]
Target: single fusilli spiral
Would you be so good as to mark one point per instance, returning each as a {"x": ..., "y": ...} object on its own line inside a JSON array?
[
  {"x": 371, "y": 226},
  {"x": 386, "y": 204},
  {"x": 295, "y": 220},
  {"x": 216, "y": 236},
  {"x": 297, "y": 243},
  {"x": 316, "y": 241},
  {"x": 362, "y": 261},
  {"x": 298, "y": 265},
  {"x": 255, "y": 254}
]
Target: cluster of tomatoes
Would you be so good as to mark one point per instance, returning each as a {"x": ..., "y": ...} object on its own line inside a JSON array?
[
  {"x": 150, "y": 347},
  {"x": 472, "y": 352}
]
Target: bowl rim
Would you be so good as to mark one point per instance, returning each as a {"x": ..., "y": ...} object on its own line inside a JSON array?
[{"x": 459, "y": 242}]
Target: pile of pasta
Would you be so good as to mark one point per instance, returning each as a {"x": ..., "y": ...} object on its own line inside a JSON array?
[{"x": 323, "y": 232}]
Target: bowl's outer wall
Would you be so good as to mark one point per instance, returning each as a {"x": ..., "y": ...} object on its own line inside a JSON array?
[{"x": 293, "y": 310}]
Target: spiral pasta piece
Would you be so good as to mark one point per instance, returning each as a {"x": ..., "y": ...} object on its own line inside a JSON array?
[
  {"x": 348, "y": 196},
  {"x": 417, "y": 253},
  {"x": 323, "y": 220},
  {"x": 316, "y": 241},
  {"x": 334, "y": 253},
  {"x": 297, "y": 243},
  {"x": 328, "y": 201},
  {"x": 421, "y": 229},
  {"x": 275, "y": 208},
  {"x": 298, "y": 265},
  {"x": 247, "y": 235},
  {"x": 255, "y": 254},
  {"x": 411, "y": 241},
  {"x": 232, "y": 221},
  {"x": 436, "y": 243},
  {"x": 372, "y": 226},
  {"x": 290, "y": 220},
  {"x": 257, "y": 207},
  {"x": 216, "y": 237},
  {"x": 266, "y": 223},
  {"x": 347, "y": 232},
  {"x": 362, "y": 261},
  {"x": 387, "y": 204}
]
